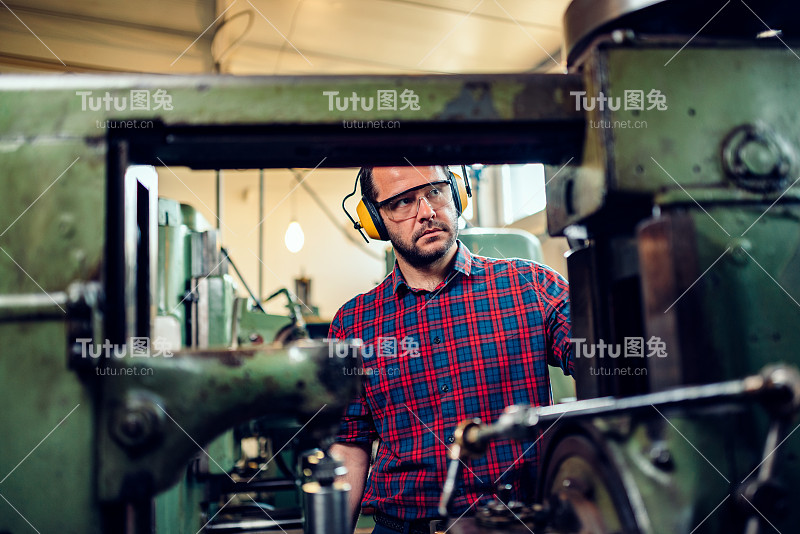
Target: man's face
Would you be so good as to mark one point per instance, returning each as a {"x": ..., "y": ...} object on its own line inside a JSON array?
[{"x": 430, "y": 234}]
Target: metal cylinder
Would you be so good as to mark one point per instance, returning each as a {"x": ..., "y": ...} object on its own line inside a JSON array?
[{"x": 326, "y": 508}]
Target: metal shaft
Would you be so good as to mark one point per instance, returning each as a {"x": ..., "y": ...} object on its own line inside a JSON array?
[{"x": 522, "y": 422}]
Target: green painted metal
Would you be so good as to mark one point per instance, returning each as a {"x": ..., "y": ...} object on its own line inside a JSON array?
[
  {"x": 299, "y": 379},
  {"x": 734, "y": 258},
  {"x": 221, "y": 295},
  {"x": 710, "y": 90},
  {"x": 678, "y": 499},
  {"x": 746, "y": 306},
  {"x": 55, "y": 241},
  {"x": 173, "y": 273},
  {"x": 39, "y": 394},
  {"x": 32, "y": 101},
  {"x": 255, "y": 324},
  {"x": 52, "y": 216}
]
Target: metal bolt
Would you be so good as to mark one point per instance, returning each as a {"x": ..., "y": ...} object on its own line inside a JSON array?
[
  {"x": 136, "y": 424},
  {"x": 756, "y": 159},
  {"x": 739, "y": 249},
  {"x": 759, "y": 157},
  {"x": 622, "y": 36},
  {"x": 661, "y": 457}
]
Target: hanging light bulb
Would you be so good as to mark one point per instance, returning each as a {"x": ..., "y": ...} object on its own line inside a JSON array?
[{"x": 294, "y": 237}]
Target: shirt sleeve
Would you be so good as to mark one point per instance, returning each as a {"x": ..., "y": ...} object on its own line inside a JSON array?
[
  {"x": 555, "y": 297},
  {"x": 356, "y": 425}
]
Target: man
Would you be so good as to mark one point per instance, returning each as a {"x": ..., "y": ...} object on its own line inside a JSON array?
[{"x": 448, "y": 336}]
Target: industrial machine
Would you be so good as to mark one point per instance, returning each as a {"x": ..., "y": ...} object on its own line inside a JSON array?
[
  {"x": 243, "y": 468},
  {"x": 685, "y": 249},
  {"x": 684, "y": 240}
]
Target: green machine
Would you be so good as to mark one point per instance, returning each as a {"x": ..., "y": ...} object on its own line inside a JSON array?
[
  {"x": 197, "y": 307},
  {"x": 684, "y": 228}
]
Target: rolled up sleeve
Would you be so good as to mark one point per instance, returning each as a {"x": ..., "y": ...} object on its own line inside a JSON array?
[
  {"x": 357, "y": 425},
  {"x": 554, "y": 290}
]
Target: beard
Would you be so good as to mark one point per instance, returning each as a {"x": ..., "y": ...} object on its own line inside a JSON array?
[{"x": 417, "y": 257}]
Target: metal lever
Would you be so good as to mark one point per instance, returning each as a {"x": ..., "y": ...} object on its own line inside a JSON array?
[
  {"x": 457, "y": 455},
  {"x": 778, "y": 387}
]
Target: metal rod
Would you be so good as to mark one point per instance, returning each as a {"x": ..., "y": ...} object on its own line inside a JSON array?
[
  {"x": 244, "y": 282},
  {"x": 262, "y": 485},
  {"x": 254, "y": 525},
  {"x": 521, "y": 422},
  {"x": 448, "y": 491},
  {"x": 777, "y": 431},
  {"x": 220, "y": 201},
  {"x": 33, "y": 306},
  {"x": 260, "y": 233},
  {"x": 518, "y": 423}
]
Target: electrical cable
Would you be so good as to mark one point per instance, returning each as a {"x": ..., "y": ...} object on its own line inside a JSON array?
[{"x": 299, "y": 177}]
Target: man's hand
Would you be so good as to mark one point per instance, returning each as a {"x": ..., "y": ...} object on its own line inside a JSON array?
[{"x": 356, "y": 459}]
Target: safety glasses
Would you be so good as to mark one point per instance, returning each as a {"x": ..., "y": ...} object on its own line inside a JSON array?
[{"x": 405, "y": 205}]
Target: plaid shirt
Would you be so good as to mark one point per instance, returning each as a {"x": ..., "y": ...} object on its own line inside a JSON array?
[{"x": 479, "y": 342}]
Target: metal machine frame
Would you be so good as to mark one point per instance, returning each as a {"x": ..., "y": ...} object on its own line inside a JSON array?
[{"x": 624, "y": 219}]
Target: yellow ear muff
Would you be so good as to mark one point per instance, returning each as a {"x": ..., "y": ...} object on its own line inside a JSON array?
[
  {"x": 370, "y": 221},
  {"x": 462, "y": 200}
]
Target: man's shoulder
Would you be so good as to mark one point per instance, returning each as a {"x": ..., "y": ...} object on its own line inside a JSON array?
[
  {"x": 502, "y": 265},
  {"x": 529, "y": 271}
]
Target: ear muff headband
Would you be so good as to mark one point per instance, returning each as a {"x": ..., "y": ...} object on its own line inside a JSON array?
[{"x": 370, "y": 219}]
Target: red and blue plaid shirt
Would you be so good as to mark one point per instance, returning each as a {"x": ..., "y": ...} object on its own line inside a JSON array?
[{"x": 479, "y": 342}]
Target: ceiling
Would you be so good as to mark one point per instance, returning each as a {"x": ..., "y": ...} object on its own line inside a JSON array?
[{"x": 282, "y": 37}]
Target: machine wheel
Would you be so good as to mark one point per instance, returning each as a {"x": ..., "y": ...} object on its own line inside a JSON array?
[{"x": 584, "y": 488}]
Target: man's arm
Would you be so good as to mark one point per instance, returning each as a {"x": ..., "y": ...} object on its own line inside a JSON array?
[
  {"x": 553, "y": 292},
  {"x": 355, "y": 457}
]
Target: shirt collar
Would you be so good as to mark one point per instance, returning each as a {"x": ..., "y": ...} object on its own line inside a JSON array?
[{"x": 463, "y": 264}]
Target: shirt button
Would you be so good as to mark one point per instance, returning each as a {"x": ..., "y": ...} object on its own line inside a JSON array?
[
  {"x": 451, "y": 439},
  {"x": 445, "y": 388},
  {"x": 437, "y": 340}
]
